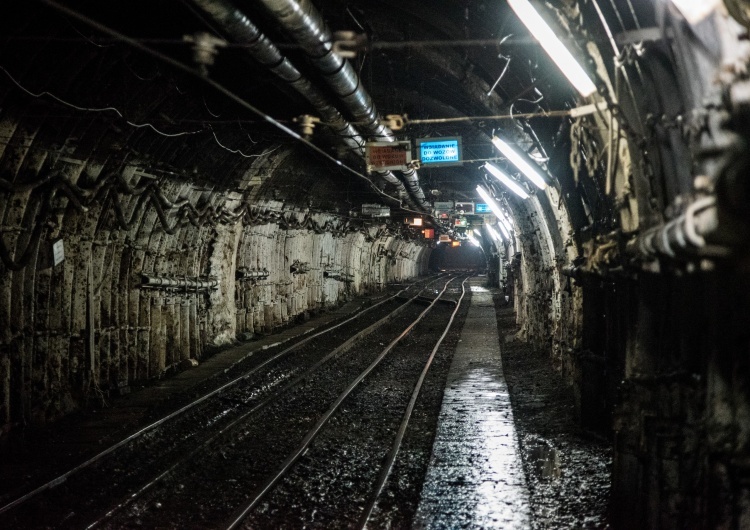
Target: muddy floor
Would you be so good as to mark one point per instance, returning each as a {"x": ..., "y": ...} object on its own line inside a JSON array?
[
  {"x": 567, "y": 469},
  {"x": 182, "y": 484}
]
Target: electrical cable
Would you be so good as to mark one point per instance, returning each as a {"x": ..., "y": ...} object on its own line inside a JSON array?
[
  {"x": 219, "y": 88},
  {"x": 95, "y": 109},
  {"x": 151, "y": 126},
  {"x": 512, "y": 116}
]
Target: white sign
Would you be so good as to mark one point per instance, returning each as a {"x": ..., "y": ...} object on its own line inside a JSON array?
[
  {"x": 376, "y": 210},
  {"x": 58, "y": 252},
  {"x": 443, "y": 206}
]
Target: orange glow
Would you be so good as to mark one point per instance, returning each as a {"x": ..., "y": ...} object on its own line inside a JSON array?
[
  {"x": 429, "y": 233},
  {"x": 455, "y": 243}
]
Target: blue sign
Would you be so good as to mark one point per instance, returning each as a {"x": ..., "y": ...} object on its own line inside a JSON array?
[
  {"x": 480, "y": 207},
  {"x": 440, "y": 151}
]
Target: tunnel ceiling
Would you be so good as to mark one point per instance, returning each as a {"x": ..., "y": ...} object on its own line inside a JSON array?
[
  {"x": 88, "y": 89},
  {"x": 84, "y": 94}
]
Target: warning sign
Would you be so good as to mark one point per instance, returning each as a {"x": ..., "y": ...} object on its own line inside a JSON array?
[{"x": 388, "y": 155}]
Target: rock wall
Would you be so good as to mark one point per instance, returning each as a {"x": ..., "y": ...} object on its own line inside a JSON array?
[{"x": 157, "y": 270}]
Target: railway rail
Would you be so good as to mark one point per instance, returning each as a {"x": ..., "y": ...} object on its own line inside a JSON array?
[
  {"x": 218, "y": 430},
  {"x": 375, "y": 383}
]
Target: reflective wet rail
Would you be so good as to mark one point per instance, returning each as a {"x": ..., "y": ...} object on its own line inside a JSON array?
[
  {"x": 357, "y": 445},
  {"x": 133, "y": 474}
]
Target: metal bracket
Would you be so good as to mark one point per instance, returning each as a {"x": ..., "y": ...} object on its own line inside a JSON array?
[
  {"x": 307, "y": 124},
  {"x": 205, "y": 48},
  {"x": 348, "y": 44}
]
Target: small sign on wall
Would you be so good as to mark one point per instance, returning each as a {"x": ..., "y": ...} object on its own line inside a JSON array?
[
  {"x": 58, "y": 252},
  {"x": 376, "y": 210},
  {"x": 387, "y": 155}
]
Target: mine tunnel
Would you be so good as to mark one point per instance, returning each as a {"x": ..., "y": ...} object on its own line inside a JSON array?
[{"x": 394, "y": 264}]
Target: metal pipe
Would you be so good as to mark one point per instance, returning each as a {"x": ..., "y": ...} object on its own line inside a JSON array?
[
  {"x": 305, "y": 24},
  {"x": 173, "y": 283},
  {"x": 684, "y": 235},
  {"x": 238, "y": 27},
  {"x": 250, "y": 275}
]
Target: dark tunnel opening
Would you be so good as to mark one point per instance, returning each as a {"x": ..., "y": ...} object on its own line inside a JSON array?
[{"x": 466, "y": 257}]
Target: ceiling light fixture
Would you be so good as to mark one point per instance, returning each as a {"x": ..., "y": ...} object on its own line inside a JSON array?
[
  {"x": 505, "y": 223},
  {"x": 696, "y": 11},
  {"x": 553, "y": 46},
  {"x": 531, "y": 172},
  {"x": 494, "y": 234},
  {"x": 504, "y": 228},
  {"x": 491, "y": 203},
  {"x": 508, "y": 182}
]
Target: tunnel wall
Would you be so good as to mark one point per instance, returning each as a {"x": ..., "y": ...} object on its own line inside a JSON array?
[
  {"x": 653, "y": 341},
  {"x": 87, "y": 329}
]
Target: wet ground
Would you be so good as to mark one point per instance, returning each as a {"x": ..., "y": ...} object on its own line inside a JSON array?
[
  {"x": 208, "y": 485},
  {"x": 567, "y": 468},
  {"x": 475, "y": 478},
  {"x": 548, "y": 473}
]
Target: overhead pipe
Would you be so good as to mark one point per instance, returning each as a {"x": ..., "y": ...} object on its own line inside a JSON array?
[
  {"x": 238, "y": 27},
  {"x": 305, "y": 24}
]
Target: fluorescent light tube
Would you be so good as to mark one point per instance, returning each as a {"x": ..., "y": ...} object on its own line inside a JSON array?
[
  {"x": 508, "y": 182},
  {"x": 494, "y": 234},
  {"x": 496, "y": 210},
  {"x": 490, "y": 202},
  {"x": 695, "y": 11},
  {"x": 473, "y": 240},
  {"x": 504, "y": 228},
  {"x": 531, "y": 172},
  {"x": 553, "y": 46},
  {"x": 505, "y": 224}
]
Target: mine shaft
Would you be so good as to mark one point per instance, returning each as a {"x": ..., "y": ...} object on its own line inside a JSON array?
[{"x": 351, "y": 264}]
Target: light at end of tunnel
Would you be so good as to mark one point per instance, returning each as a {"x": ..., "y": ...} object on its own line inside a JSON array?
[
  {"x": 554, "y": 47},
  {"x": 520, "y": 162},
  {"x": 506, "y": 181}
]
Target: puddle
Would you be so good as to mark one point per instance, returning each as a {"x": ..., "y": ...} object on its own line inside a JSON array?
[{"x": 544, "y": 460}]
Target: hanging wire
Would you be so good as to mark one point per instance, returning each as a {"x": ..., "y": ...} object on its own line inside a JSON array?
[
  {"x": 219, "y": 88},
  {"x": 95, "y": 109},
  {"x": 511, "y": 116},
  {"x": 203, "y": 98},
  {"x": 137, "y": 125}
]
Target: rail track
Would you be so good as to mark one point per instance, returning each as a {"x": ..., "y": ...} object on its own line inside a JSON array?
[
  {"x": 142, "y": 464},
  {"x": 353, "y": 446}
]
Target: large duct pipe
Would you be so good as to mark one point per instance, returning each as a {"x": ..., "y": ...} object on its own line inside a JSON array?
[
  {"x": 236, "y": 26},
  {"x": 305, "y": 24}
]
